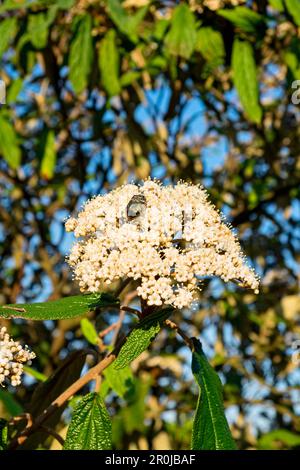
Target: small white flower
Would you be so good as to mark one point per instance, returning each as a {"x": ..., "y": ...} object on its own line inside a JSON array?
[
  {"x": 165, "y": 237},
  {"x": 12, "y": 358}
]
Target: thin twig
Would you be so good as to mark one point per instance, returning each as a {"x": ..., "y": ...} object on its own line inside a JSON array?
[
  {"x": 188, "y": 341},
  {"x": 53, "y": 434}
]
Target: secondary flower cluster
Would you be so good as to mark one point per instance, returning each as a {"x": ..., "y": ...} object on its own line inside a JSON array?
[
  {"x": 165, "y": 237},
  {"x": 12, "y": 359}
]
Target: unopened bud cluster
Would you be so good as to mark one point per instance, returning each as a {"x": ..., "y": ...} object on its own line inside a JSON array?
[
  {"x": 167, "y": 238},
  {"x": 12, "y": 359}
]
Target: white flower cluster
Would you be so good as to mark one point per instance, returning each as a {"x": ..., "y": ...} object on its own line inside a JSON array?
[
  {"x": 165, "y": 237},
  {"x": 12, "y": 359}
]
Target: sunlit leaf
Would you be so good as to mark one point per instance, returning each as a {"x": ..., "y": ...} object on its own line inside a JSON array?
[
  {"x": 81, "y": 53},
  {"x": 293, "y": 7},
  {"x": 49, "y": 156},
  {"x": 67, "y": 307},
  {"x": 109, "y": 64},
  {"x": 89, "y": 331},
  {"x": 244, "y": 18},
  {"x": 181, "y": 39},
  {"x": 9, "y": 144},
  {"x": 7, "y": 32},
  {"x": 140, "y": 338},
  {"x": 245, "y": 79}
]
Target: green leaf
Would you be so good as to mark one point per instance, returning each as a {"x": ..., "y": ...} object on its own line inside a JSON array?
[
  {"x": 3, "y": 434},
  {"x": 293, "y": 7},
  {"x": 81, "y": 54},
  {"x": 121, "y": 381},
  {"x": 90, "y": 427},
  {"x": 126, "y": 23},
  {"x": 49, "y": 156},
  {"x": 109, "y": 63},
  {"x": 129, "y": 77},
  {"x": 278, "y": 439},
  {"x": 244, "y": 18},
  {"x": 210, "y": 44},
  {"x": 38, "y": 28},
  {"x": 141, "y": 337},
  {"x": 35, "y": 373},
  {"x": 210, "y": 428},
  {"x": 245, "y": 79},
  {"x": 46, "y": 392},
  {"x": 67, "y": 307},
  {"x": 89, "y": 331},
  {"x": 277, "y": 4},
  {"x": 7, "y": 31},
  {"x": 181, "y": 38},
  {"x": 9, "y": 146},
  {"x": 10, "y": 403},
  {"x": 14, "y": 90}
]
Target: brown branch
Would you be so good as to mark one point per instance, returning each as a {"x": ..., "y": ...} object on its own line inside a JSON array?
[
  {"x": 188, "y": 341},
  {"x": 63, "y": 397}
]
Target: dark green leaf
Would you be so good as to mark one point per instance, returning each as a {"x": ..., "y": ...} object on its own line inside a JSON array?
[
  {"x": 245, "y": 79},
  {"x": 10, "y": 403},
  {"x": 7, "y": 32},
  {"x": 244, "y": 18},
  {"x": 90, "y": 427},
  {"x": 140, "y": 338},
  {"x": 81, "y": 54},
  {"x": 181, "y": 39},
  {"x": 109, "y": 64},
  {"x": 9, "y": 146},
  {"x": 210, "y": 428},
  {"x": 67, "y": 307},
  {"x": 46, "y": 392},
  {"x": 293, "y": 7}
]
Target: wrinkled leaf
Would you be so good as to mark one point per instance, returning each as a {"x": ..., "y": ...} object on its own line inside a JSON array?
[
  {"x": 121, "y": 381},
  {"x": 90, "y": 427},
  {"x": 210, "y": 428},
  {"x": 109, "y": 64},
  {"x": 245, "y": 79},
  {"x": 67, "y": 307},
  {"x": 140, "y": 338},
  {"x": 45, "y": 393},
  {"x": 3, "y": 434},
  {"x": 181, "y": 39},
  {"x": 81, "y": 54}
]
